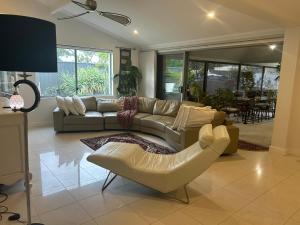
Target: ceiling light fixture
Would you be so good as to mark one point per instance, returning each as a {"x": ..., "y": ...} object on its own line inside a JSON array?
[
  {"x": 211, "y": 15},
  {"x": 272, "y": 47},
  {"x": 136, "y": 32}
]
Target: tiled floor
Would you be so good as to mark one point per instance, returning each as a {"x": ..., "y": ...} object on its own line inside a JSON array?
[{"x": 249, "y": 188}]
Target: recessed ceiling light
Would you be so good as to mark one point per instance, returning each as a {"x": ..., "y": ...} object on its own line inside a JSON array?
[
  {"x": 135, "y": 32},
  {"x": 272, "y": 47},
  {"x": 211, "y": 15}
]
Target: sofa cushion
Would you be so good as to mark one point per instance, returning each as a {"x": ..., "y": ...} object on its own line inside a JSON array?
[
  {"x": 153, "y": 122},
  {"x": 157, "y": 122},
  {"x": 219, "y": 118},
  {"x": 108, "y": 105},
  {"x": 146, "y": 105},
  {"x": 90, "y": 103},
  {"x": 206, "y": 136},
  {"x": 166, "y": 107},
  {"x": 137, "y": 118},
  {"x": 167, "y": 120},
  {"x": 110, "y": 117},
  {"x": 88, "y": 118}
]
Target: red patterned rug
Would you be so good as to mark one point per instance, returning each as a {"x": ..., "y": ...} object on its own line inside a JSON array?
[
  {"x": 96, "y": 142},
  {"x": 243, "y": 145}
]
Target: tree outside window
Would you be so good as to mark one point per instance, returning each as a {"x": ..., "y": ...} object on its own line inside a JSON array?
[{"x": 81, "y": 72}]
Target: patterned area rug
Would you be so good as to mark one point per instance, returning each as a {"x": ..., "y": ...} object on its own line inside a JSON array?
[
  {"x": 243, "y": 145},
  {"x": 96, "y": 142}
]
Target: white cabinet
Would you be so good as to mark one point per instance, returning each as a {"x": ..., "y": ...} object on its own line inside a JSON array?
[{"x": 12, "y": 147}]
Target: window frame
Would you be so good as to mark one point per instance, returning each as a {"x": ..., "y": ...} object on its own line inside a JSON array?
[
  {"x": 160, "y": 62},
  {"x": 111, "y": 66}
]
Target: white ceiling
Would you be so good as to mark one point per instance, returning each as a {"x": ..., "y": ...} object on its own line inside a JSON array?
[
  {"x": 166, "y": 21},
  {"x": 285, "y": 13}
]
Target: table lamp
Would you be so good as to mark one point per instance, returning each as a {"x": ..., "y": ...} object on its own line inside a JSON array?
[{"x": 27, "y": 45}]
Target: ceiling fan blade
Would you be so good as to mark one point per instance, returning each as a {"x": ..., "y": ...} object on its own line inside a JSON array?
[
  {"x": 119, "y": 18},
  {"x": 71, "y": 17},
  {"x": 82, "y": 5}
]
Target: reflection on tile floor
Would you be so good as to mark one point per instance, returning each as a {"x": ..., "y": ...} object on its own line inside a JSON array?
[{"x": 249, "y": 188}]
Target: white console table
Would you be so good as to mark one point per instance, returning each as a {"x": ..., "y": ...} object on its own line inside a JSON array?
[{"x": 12, "y": 147}]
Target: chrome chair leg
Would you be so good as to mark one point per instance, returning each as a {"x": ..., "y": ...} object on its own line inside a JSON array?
[
  {"x": 187, "y": 198},
  {"x": 107, "y": 182}
]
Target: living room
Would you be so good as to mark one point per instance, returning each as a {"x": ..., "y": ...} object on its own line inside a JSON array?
[{"x": 149, "y": 112}]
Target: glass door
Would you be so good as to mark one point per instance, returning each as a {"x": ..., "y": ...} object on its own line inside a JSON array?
[
  {"x": 195, "y": 80},
  {"x": 172, "y": 76}
]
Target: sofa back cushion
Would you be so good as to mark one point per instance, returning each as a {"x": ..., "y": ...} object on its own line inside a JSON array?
[
  {"x": 166, "y": 107},
  {"x": 110, "y": 105},
  {"x": 146, "y": 105},
  {"x": 90, "y": 103},
  {"x": 218, "y": 118}
]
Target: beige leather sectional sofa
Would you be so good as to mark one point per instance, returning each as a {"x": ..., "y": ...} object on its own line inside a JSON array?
[{"x": 154, "y": 117}]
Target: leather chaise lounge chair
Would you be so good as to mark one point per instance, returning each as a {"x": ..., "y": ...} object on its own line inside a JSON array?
[{"x": 164, "y": 173}]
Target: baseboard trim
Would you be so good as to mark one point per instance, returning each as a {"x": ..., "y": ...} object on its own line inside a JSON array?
[{"x": 279, "y": 150}]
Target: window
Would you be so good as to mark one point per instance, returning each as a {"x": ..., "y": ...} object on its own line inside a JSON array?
[
  {"x": 271, "y": 79},
  {"x": 7, "y": 79},
  {"x": 81, "y": 72},
  {"x": 222, "y": 76},
  {"x": 195, "y": 80},
  {"x": 172, "y": 76},
  {"x": 257, "y": 75},
  {"x": 196, "y": 73}
]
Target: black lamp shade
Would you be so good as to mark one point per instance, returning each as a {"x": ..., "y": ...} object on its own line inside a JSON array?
[{"x": 27, "y": 44}]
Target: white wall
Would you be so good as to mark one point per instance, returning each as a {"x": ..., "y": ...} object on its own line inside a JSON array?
[
  {"x": 70, "y": 32},
  {"x": 287, "y": 121},
  {"x": 148, "y": 62}
]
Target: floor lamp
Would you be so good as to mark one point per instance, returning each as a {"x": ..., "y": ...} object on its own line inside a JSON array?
[{"x": 27, "y": 45}]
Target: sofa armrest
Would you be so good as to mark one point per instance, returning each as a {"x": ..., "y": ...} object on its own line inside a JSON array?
[
  {"x": 58, "y": 119},
  {"x": 227, "y": 122},
  {"x": 233, "y": 132},
  {"x": 191, "y": 135}
]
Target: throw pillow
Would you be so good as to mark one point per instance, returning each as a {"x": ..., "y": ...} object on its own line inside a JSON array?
[
  {"x": 70, "y": 106},
  {"x": 206, "y": 136},
  {"x": 61, "y": 105},
  {"x": 190, "y": 116},
  {"x": 79, "y": 105},
  {"x": 166, "y": 107}
]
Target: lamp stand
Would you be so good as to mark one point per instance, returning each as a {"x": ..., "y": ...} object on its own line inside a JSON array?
[
  {"x": 27, "y": 173},
  {"x": 26, "y": 154}
]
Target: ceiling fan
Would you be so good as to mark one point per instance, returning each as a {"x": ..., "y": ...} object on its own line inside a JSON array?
[{"x": 91, "y": 7}]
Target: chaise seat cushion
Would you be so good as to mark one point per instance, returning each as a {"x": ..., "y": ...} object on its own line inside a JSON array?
[{"x": 89, "y": 118}]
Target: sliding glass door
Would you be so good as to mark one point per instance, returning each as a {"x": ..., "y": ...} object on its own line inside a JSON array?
[{"x": 172, "y": 76}]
